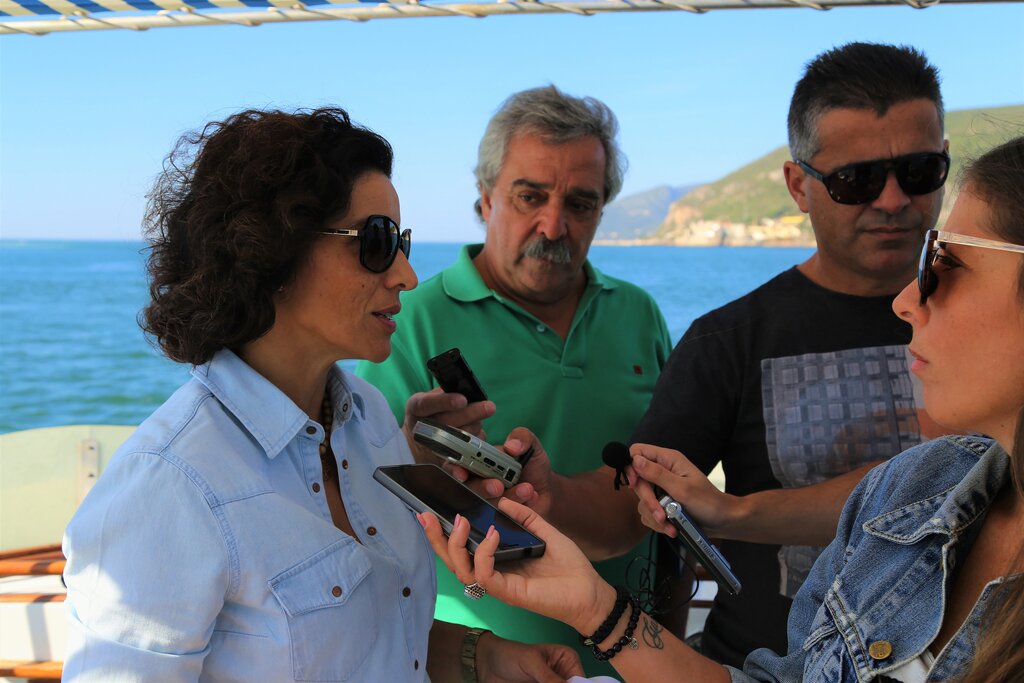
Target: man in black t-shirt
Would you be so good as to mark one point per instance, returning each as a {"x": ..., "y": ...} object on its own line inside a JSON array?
[{"x": 800, "y": 386}]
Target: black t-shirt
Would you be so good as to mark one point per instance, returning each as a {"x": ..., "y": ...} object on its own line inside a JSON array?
[{"x": 787, "y": 386}]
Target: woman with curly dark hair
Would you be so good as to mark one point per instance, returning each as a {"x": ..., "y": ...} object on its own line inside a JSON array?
[{"x": 238, "y": 534}]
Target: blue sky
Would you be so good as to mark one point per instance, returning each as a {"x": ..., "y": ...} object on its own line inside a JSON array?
[{"x": 86, "y": 119}]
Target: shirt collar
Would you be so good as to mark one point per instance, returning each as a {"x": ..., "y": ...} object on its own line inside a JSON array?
[
  {"x": 265, "y": 411},
  {"x": 949, "y": 512},
  {"x": 462, "y": 280}
]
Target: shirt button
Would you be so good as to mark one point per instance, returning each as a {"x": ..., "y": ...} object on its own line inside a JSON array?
[
  {"x": 416, "y": 665},
  {"x": 344, "y": 407},
  {"x": 880, "y": 649},
  {"x": 311, "y": 429},
  {"x": 344, "y": 464},
  {"x": 406, "y": 592},
  {"x": 336, "y": 591},
  {"x": 541, "y": 328},
  {"x": 372, "y": 530},
  {"x": 316, "y": 488}
]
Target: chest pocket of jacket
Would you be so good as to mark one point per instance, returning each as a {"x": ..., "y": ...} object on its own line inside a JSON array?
[{"x": 330, "y": 608}]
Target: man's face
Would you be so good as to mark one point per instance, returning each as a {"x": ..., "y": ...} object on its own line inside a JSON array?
[
  {"x": 877, "y": 242},
  {"x": 541, "y": 216}
]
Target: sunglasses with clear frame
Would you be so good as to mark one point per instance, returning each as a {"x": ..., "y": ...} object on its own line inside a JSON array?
[
  {"x": 927, "y": 278},
  {"x": 380, "y": 240}
]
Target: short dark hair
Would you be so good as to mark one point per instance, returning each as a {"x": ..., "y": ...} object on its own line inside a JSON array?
[
  {"x": 858, "y": 76},
  {"x": 235, "y": 214}
]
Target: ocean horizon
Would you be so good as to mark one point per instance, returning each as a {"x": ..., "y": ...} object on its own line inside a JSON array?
[{"x": 71, "y": 351}]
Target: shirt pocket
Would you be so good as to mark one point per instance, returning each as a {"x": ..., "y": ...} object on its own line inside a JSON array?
[{"x": 330, "y": 608}]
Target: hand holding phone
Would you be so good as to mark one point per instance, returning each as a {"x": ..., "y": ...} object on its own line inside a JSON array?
[{"x": 428, "y": 488}]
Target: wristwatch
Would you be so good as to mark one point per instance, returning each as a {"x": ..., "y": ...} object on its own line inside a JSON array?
[{"x": 468, "y": 654}]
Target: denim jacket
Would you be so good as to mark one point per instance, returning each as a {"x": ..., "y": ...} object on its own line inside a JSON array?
[
  {"x": 206, "y": 550},
  {"x": 875, "y": 598}
]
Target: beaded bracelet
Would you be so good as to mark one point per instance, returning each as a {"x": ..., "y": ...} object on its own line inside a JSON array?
[
  {"x": 627, "y": 637},
  {"x": 621, "y": 600}
]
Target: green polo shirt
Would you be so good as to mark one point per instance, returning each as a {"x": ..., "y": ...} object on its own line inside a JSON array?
[{"x": 576, "y": 395}]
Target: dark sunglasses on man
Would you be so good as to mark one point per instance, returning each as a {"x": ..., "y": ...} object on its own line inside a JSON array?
[
  {"x": 863, "y": 182},
  {"x": 934, "y": 240},
  {"x": 380, "y": 240}
]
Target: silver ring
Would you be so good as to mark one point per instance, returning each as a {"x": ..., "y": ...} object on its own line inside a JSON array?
[{"x": 474, "y": 591}]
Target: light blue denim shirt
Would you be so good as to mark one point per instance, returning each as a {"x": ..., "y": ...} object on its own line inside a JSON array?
[
  {"x": 902, "y": 533},
  {"x": 206, "y": 550}
]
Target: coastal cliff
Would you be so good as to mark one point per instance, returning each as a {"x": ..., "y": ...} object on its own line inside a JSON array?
[{"x": 751, "y": 206}]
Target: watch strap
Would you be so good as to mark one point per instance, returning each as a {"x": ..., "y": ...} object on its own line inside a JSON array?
[{"x": 468, "y": 654}]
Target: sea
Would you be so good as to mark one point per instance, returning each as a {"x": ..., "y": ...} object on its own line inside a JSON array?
[{"x": 72, "y": 352}]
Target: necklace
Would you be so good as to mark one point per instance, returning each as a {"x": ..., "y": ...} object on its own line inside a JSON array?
[{"x": 327, "y": 461}]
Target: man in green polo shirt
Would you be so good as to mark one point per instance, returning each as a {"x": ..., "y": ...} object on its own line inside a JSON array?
[{"x": 560, "y": 348}]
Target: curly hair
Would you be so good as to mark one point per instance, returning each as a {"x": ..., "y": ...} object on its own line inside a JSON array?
[{"x": 235, "y": 213}]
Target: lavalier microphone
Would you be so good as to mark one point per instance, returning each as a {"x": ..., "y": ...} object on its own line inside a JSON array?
[{"x": 616, "y": 455}]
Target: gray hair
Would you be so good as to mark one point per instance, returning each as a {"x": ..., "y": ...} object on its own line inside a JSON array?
[
  {"x": 557, "y": 118},
  {"x": 858, "y": 76}
]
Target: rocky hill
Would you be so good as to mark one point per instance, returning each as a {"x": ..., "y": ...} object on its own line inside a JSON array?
[
  {"x": 638, "y": 215},
  {"x": 751, "y": 205}
]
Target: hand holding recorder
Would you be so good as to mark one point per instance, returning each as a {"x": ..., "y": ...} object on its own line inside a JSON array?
[
  {"x": 674, "y": 474},
  {"x": 459, "y": 401},
  {"x": 474, "y": 454}
]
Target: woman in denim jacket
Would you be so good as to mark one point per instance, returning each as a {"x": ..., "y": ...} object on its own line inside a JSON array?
[
  {"x": 238, "y": 535},
  {"x": 923, "y": 580}
]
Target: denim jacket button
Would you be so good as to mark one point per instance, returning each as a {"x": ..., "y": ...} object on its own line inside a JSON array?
[{"x": 880, "y": 649}]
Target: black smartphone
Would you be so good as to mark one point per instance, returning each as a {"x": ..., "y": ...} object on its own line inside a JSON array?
[
  {"x": 691, "y": 536},
  {"x": 428, "y": 488},
  {"x": 454, "y": 376}
]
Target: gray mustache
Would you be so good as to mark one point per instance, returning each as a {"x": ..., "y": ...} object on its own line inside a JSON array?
[{"x": 555, "y": 251}]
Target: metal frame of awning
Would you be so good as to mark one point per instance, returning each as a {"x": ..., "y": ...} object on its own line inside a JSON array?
[{"x": 39, "y": 17}]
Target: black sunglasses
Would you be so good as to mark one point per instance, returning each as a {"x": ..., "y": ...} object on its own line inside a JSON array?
[
  {"x": 863, "y": 182},
  {"x": 927, "y": 278},
  {"x": 380, "y": 240}
]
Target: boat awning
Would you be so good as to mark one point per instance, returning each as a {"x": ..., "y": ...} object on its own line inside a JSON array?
[{"x": 36, "y": 17}]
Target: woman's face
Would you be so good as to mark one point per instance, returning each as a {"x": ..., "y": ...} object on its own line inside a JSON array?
[
  {"x": 335, "y": 308},
  {"x": 968, "y": 343}
]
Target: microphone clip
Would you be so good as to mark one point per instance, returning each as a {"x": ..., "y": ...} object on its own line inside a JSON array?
[
  {"x": 616, "y": 456},
  {"x": 620, "y": 477}
]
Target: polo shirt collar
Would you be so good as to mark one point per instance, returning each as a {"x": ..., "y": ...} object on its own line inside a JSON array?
[
  {"x": 462, "y": 280},
  {"x": 265, "y": 411}
]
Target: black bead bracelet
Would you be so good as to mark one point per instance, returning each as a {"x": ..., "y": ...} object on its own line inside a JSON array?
[
  {"x": 627, "y": 637},
  {"x": 622, "y": 598}
]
